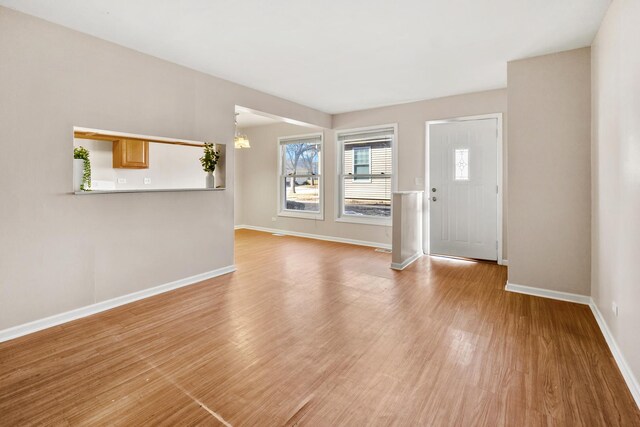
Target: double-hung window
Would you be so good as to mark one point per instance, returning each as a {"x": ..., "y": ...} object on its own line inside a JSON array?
[
  {"x": 366, "y": 174},
  {"x": 300, "y": 176},
  {"x": 362, "y": 163}
]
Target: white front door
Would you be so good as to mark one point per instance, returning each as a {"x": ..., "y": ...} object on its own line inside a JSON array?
[{"x": 463, "y": 183}]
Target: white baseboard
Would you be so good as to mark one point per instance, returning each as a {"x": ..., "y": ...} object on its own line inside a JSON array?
[
  {"x": 315, "y": 236},
  {"x": 627, "y": 374},
  {"x": 405, "y": 264},
  {"x": 57, "y": 319},
  {"x": 504, "y": 262},
  {"x": 547, "y": 293}
]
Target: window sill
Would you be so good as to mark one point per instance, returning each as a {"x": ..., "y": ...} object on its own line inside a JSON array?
[
  {"x": 302, "y": 215},
  {"x": 383, "y": 222}
]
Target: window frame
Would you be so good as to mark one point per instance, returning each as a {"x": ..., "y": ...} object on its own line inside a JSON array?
[
  {"x": 281, "y": 210},
  {"x": 340, "y": 216},
  {"x": 455, "y": 164},
  {"x": 353, "y": 163}
]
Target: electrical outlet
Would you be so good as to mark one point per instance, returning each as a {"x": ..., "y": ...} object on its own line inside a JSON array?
[
  {"x": 147, "y": 181},
  {"x": 273, "y": 218},
  {"x": 614, "y": 308},
  {"x": 122, "y": 180}
]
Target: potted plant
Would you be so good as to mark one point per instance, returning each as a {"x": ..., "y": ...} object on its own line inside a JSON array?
[
  {"x": 209, "y": 161},
  {"x": 81, "y": 169}
]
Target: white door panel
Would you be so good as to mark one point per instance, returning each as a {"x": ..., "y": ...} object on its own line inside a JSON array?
[{"x": 463, "y": 214}]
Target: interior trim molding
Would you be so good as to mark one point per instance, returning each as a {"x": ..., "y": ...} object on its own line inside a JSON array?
[
  {"x": 58, "y": 319},
  {"x": 316, "y": 236},
  {"x": 504, "y": 262},
  {"x": 625, "y": 370},
  {"x": 627, "y": 373},
  {"x": 547, "y": 293},
  {"x": 407, "y": 262}
]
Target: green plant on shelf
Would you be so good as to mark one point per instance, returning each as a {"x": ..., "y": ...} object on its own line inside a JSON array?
[
  {"x": 83, "y": 154},
  {"x": 210, "y": 158}
]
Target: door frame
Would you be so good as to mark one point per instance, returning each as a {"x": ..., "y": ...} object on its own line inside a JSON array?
[{"x": 427, "y": 184}]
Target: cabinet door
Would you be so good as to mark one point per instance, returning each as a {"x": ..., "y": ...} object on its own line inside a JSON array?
[{"x": 131, "y": 154}]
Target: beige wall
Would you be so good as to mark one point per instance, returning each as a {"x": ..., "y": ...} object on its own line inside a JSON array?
[
  {"x": 52, "y": 256},
  {"x": 549, "y": 171},
  {"x": 411, "y": 120},
  {"x": 615, "y": 270},
  {"x": 259, "y": 167}
]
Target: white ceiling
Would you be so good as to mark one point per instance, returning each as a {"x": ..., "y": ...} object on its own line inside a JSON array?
[{"x": 338, "y": 55}]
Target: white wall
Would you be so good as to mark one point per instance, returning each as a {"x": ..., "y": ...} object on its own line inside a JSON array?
[
  {"x": 615, "y": 230},
  {"x": 407, "y": 227},
  {"x": 170, "y": 166},
  {"x": 238, "y": 199},
  {"x": 549, "y": 171},
  {"x": 52, "y": 256}
]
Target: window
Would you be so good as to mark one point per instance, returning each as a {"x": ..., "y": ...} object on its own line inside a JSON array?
[
  {"x": 361, "y": 163},
  {"x": 300, "y": 176},
  {"x": 462, "y": 164},
  {"x": 366, "y": 174}
]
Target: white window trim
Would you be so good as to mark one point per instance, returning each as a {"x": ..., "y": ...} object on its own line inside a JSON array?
[
  {"x": 281, "y": 194},
  {"x": 339, "y": 217}
]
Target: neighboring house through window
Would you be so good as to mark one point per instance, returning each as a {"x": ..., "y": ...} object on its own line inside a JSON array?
[
  {"x": 361, "y": 163},
  {"x": 366, "y": 174}
]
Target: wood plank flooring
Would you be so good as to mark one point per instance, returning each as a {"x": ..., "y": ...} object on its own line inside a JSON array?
[{"x": 322, "y": 334}]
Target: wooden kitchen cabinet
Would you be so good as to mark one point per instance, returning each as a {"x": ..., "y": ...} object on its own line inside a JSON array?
[{"x": 130, "y": 154}]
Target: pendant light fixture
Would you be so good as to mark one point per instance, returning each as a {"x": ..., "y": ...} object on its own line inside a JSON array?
[{"x": 240, "y": 140}]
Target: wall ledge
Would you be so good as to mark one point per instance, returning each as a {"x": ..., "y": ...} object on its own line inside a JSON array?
[
  {"x": 625, "y": 370},
  {"x": 78, "y": 313}
]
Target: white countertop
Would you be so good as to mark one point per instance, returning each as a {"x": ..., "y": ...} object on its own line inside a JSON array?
[{"x": 150, "y": 190}]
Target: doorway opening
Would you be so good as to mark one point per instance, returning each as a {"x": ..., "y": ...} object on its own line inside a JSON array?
[
  {"x": 462, "y": 215},
  {"x": 278, "y": 171}
]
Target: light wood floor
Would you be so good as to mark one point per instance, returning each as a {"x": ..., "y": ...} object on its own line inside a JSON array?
[{"x": 318, "y": 333}]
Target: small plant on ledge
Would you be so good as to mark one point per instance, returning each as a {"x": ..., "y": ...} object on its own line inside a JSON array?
[
  {"x": 81, "y": 153},
  {"x": 209, "y": 161}
]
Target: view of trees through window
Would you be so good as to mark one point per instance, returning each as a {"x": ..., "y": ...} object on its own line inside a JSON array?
[{"x": 301, "y": 180}]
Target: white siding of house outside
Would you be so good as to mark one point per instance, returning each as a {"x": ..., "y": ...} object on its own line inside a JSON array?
[{"x": 377, "y": 188}]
